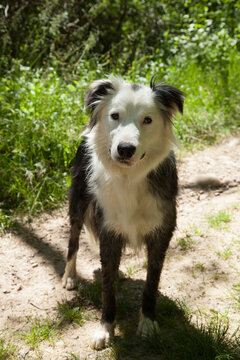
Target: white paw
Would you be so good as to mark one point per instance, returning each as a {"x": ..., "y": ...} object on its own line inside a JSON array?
[
  {"x": 102, "y": 336},
  {"x": 69, "y": 282},
  {"x": 147, "y": 327}
]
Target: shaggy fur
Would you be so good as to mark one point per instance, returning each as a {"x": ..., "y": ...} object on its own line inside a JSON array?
[{"x": 124, "y": 187}]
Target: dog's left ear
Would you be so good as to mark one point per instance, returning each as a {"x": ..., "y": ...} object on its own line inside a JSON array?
[{"x": 169, "y": 97}]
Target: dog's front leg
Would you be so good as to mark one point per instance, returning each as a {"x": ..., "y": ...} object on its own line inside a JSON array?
[
  {"x": 110, "y": 253},
  {"x": 157, "y": 245}
]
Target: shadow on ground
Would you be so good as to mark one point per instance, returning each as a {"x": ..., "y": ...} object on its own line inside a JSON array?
[
  {"x": 178, "y": 338},
  {"x": 48, "y": 252}
]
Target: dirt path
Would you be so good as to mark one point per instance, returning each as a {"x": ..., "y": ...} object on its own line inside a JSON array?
[{"x": 201, "y": 268}]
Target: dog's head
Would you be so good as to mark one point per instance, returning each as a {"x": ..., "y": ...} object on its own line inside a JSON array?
[{"x": 132, "y": 122}]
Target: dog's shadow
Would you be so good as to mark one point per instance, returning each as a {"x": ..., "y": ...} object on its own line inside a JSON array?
[{"x": 178, "y": 338}]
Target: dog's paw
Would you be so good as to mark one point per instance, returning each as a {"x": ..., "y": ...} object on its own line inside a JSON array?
[
  {"x": 147, "y": 327},
  {"x": 69, "y": 282},
  {"x": 102, "y": 336}
]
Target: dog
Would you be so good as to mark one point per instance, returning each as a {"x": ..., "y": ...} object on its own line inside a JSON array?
[{"x": 124, "y": 188}]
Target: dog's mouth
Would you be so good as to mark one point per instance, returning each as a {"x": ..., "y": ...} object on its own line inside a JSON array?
[{"x": 129, "y": 162}]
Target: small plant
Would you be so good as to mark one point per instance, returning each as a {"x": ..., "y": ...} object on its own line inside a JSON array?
[
  {"x": 6, "y": 350},
  {"x": 197, "y": 231},
  {"x": 225, "y": 253},
  {"x": 70, "y": 314},
  {"x": 185, "y": 242},
  {"x": 40, "y": 330},
  {"x": 131, "y": 270},
  {"x": 219, "y": 220},
  {"x": 200, "y": 267},
  {"x": 92, "y": 292}
]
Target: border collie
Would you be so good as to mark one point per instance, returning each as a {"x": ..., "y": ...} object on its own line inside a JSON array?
[{"x": 124, "y": 187}]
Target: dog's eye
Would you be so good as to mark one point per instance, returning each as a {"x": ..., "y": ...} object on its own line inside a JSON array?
[
  {"x": 115, "y": 116},
  {"x": 147, "y": 120}
]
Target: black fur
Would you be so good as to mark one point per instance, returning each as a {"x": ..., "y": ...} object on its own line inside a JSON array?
[
  {"x": 162, "y": 182},
  {"x": 94, "y": 94},
  {"x": 79, "y": 197},
  {"x": 169, "y": 96}
]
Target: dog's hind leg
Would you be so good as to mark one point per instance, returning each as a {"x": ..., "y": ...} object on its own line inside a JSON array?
[
  {"x": 110, "y": 253},
  {"x": 157, "y": 245}
]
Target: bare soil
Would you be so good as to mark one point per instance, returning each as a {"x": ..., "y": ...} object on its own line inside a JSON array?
[{"x": 201, "y": 267}]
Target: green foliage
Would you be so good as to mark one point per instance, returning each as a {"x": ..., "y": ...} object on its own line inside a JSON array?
[
  {"x": 39, "y": 331},
  {"x": 6, "y": 350},
  {"x": 41, "y": 119},
  {"x": 209, "y": 339},
  {"x": 219, "y": 219},
  {"x": 70, "y": 314},
  {"x": 185, "y": 242},
  {"x": 92, "y": 292},
  {"x": 65, "y": 32}
]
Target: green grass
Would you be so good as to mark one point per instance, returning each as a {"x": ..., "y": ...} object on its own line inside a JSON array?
[
  {"x": 7, "y": 350},
  {"x": 179, "y": 338},
  {"x": 225, "y": 254},
  {"x": 70, "y": 314},
  {"x": 92, "y": 292},
  {"x": 40, "y": 330},
  {"x": 185, "y": 242},
  {"x": 132, "y": 270},
  {"x": 219, "y": 220}
]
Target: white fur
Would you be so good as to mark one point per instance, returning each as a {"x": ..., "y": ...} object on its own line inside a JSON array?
[
  {"x": 69, "y": 280},
  {"x": 122, "y": 189},
  {"x": 102, "y": 336}
]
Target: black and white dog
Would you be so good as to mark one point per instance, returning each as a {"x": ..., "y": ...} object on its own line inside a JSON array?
[{"x": 124, "y": 187}]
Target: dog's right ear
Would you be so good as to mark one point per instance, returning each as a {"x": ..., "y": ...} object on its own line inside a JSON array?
[{"x": 96, "y": 93}]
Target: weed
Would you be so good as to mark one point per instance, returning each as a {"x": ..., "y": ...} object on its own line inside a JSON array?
[
  {"x": 200, "y": 267},
  {"x": 6, "y": 350},
  {"x": 40, "y": 330},
  {"x": 131, "y": 270},
  {"x": 208, "y": 339},
  {"x": 70, "y": 314},
  {"x": 219, "y": 220},
  {"x": 197, "y": 231},
  {"x": 92, "y": 292},
  {"x": 145, "y": 264},
  {"x": 225, "y": 253},
  {"x": 185, "y": 242}
]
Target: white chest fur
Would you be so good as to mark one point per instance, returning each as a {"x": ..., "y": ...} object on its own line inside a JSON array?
[{"x": 129, "y": 208}]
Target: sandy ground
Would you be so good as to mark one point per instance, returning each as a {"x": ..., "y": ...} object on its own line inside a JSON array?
[{"x": 33, "y": 258}]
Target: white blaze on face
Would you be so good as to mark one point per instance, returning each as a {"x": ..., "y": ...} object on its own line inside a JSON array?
[{"x": 132, "y": 107}]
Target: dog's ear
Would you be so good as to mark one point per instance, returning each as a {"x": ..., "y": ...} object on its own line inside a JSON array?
[
  {"x": 95, "y": 94},
  {"x": 97, "y": 90},
  {"x": 169, "y": 97}
]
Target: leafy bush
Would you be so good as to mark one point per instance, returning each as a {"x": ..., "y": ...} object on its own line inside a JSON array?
[
  {"x": 41, "y": 121},
  {"x": 65, "y": 32}
]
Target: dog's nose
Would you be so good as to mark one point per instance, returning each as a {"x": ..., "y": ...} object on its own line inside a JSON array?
[{"x": 126, "y": 150}]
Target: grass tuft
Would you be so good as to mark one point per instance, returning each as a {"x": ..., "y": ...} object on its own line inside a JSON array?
[
  {"x": 70, "y": 314},
  {"x": 40, "y": 330},
  {"x": 6, "y": 350},
  {"x": 219, "y": 220}
]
